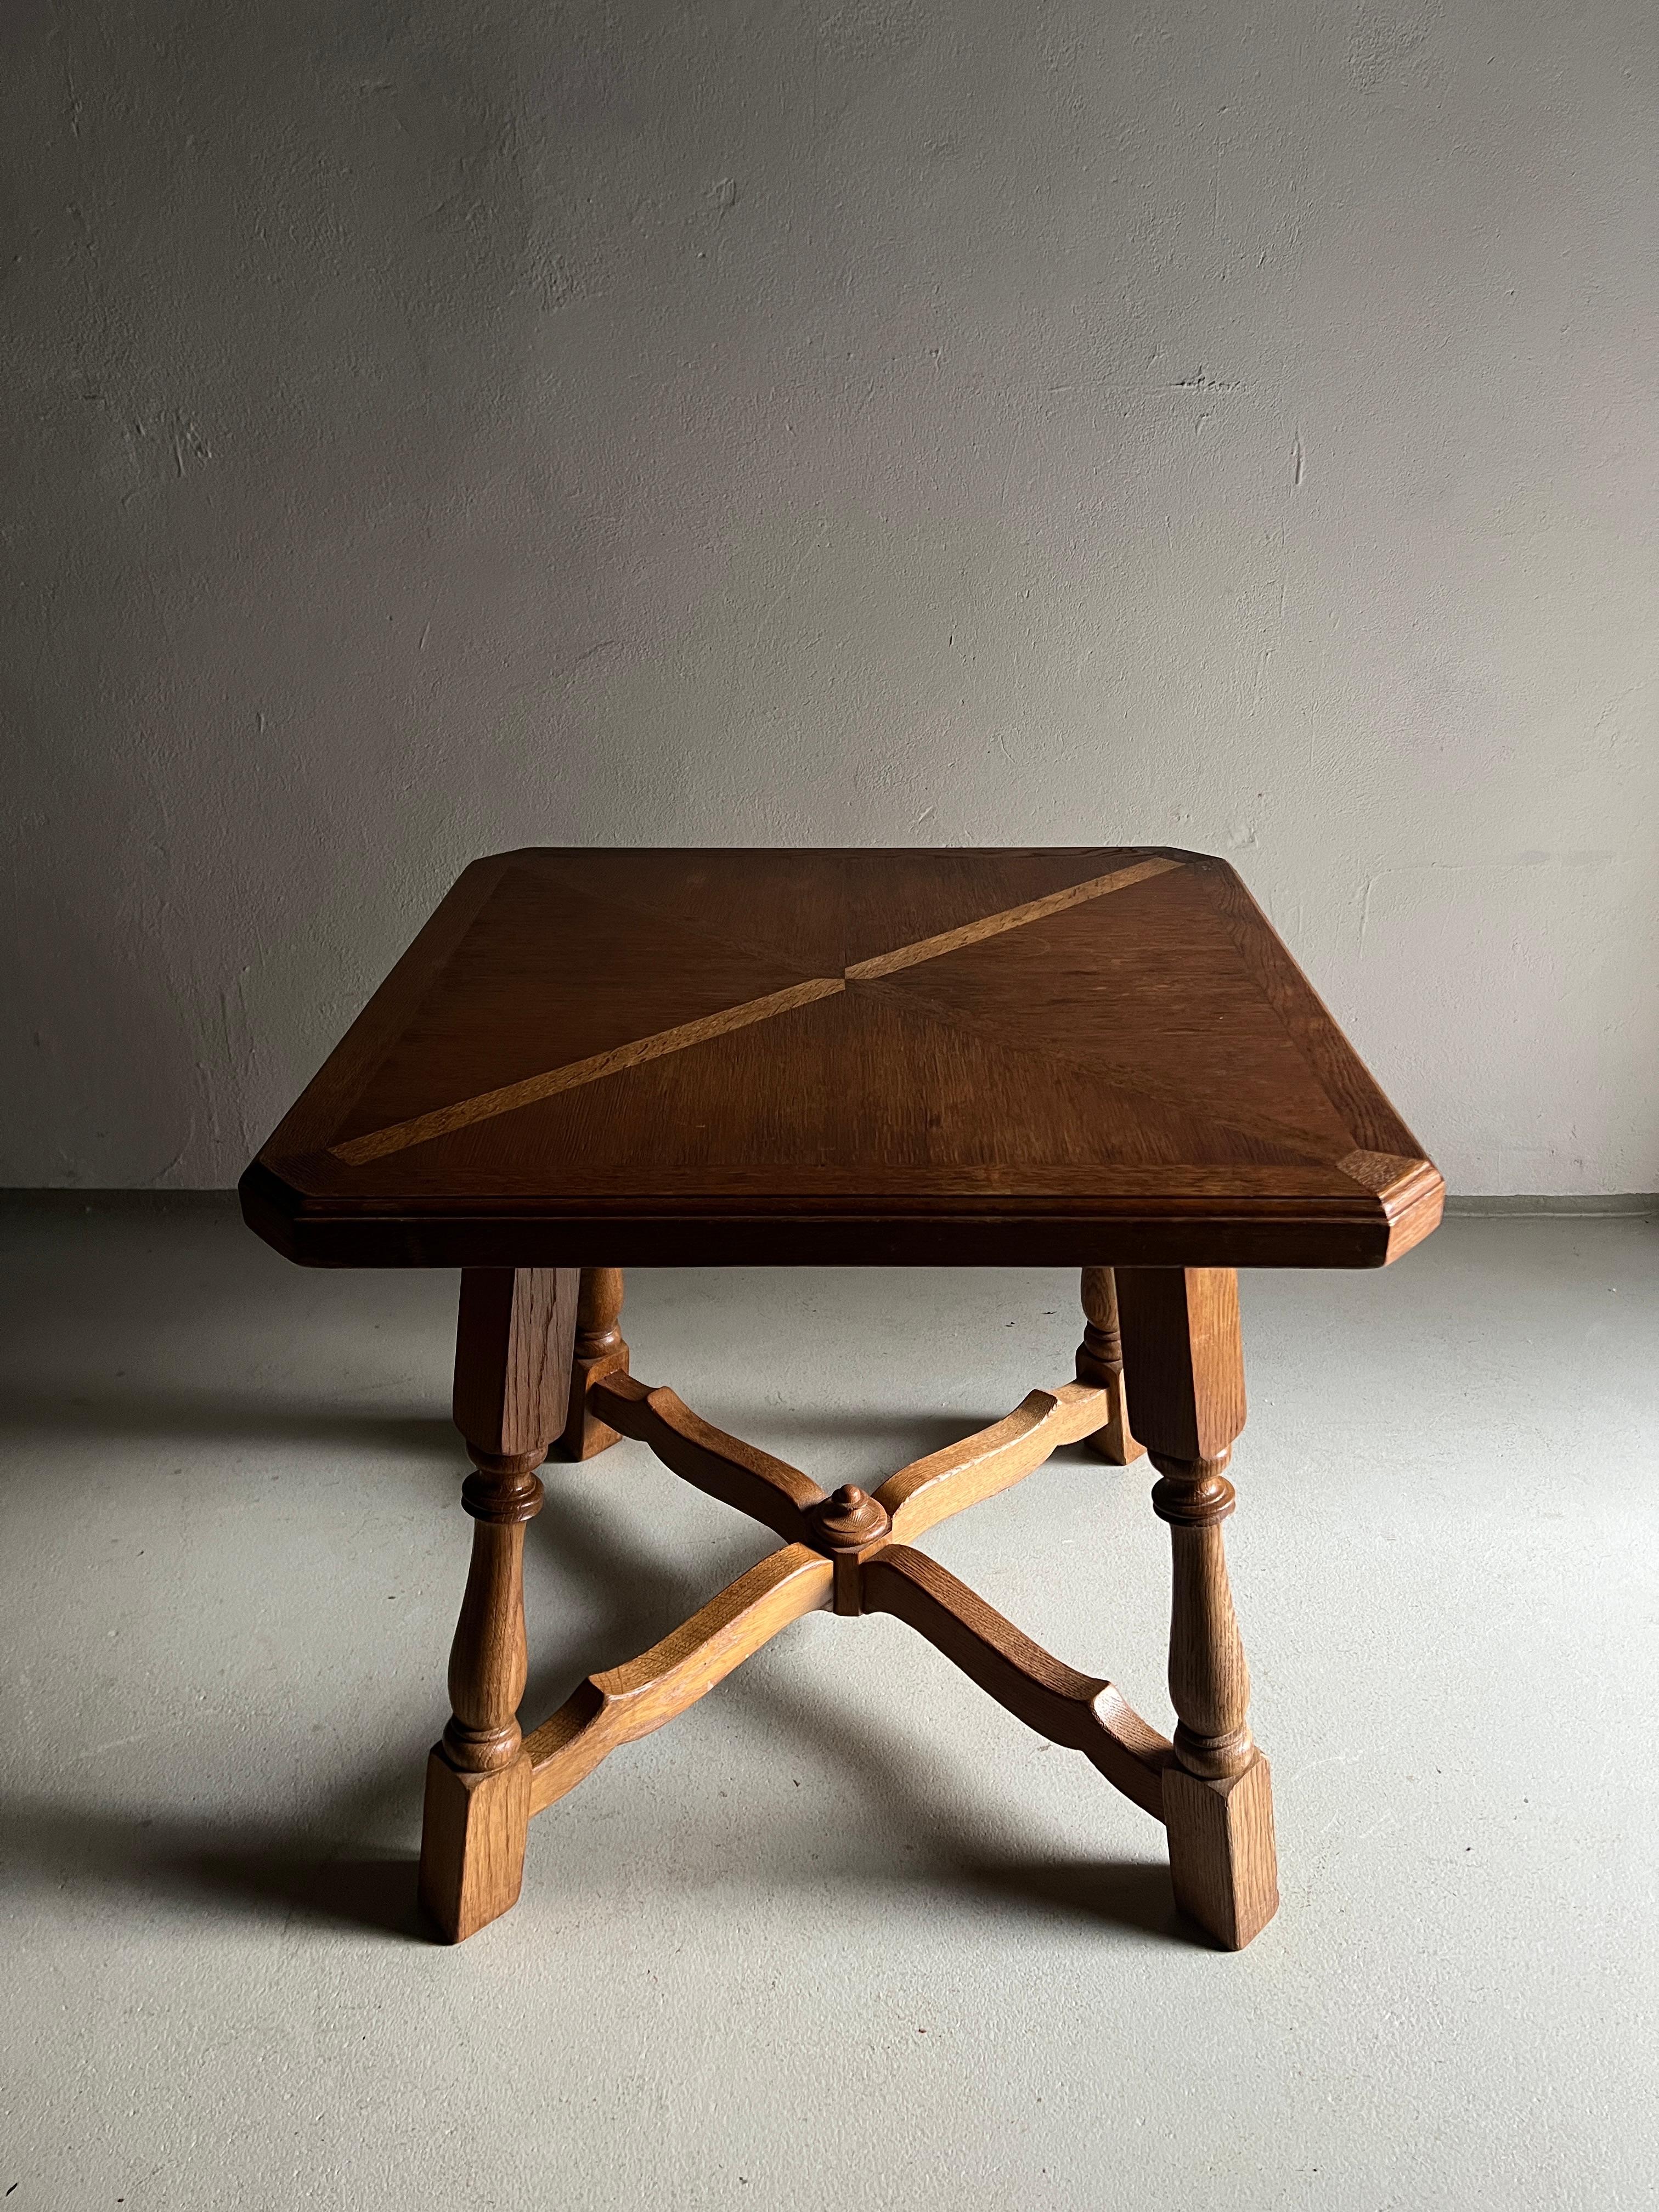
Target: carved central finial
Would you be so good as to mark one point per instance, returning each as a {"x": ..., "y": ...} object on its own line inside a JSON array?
[{"x": 848, "y": 1521}]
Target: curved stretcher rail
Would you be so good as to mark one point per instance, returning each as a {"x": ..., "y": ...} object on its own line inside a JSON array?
[
  {"x": 769, "y": 1490},
  {"x": 1078, "y": 1711},
  {"x": 930, "y": 1490},
  {"x": 628, "y": 1702}
]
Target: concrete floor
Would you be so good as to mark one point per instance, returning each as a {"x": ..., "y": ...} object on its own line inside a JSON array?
[{"x": 845, "y": 1936}]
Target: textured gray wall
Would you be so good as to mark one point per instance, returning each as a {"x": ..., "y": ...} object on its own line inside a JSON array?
[{"x": 441, "y": 426}]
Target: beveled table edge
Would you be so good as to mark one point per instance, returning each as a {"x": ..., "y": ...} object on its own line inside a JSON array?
[{"x": 1363, "y": 1230}]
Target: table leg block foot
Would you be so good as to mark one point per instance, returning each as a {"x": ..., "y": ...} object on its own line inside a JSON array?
[
  {"x": 600, "y": 1351},
  {"x": 1222, "y": 1859},
  {"x": 472, "y": 1840},
  {"x": 584, "y": 1435},
  {"x": 1114, "y": 1444}
]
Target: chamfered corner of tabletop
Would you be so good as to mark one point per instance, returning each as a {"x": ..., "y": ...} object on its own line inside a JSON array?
[
  {"x": 271, "y": 1207},
  {"x": 1414, "y": 1205},
  {"x": 1409, "y": 1190},
  {"x": 300, "y": 1223}
]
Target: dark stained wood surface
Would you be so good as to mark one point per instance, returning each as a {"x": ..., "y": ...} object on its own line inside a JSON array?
[{"x": 1094, "y": 1057}]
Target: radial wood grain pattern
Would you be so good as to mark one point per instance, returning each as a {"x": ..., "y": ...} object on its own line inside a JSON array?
[
  {"x": 483, "y": 1106},
  {"x": 1094, "y": 1056}
]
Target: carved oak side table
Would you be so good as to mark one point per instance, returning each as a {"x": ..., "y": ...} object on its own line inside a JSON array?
[{"x": 589, "y": 1060}]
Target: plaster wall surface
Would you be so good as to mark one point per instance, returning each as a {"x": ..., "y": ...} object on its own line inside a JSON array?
[{"x": 436, "y": 428}]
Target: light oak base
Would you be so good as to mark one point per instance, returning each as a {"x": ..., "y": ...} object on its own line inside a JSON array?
[
  {"x": 599, "y": 1352},
  {"x": 1222, "y": 1859},
  {"x": 472, "y": 1840},
  {"x": 852, "y": 1554}
]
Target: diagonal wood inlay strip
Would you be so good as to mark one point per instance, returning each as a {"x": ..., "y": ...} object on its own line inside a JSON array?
[
  {"x": 377, "y": 1144},
  {"x": 488, "y": 1103},
  {"x": 1013, "y": 917}
]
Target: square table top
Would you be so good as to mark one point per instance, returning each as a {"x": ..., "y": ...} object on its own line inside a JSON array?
[{"x": 1093, "y": 1057}]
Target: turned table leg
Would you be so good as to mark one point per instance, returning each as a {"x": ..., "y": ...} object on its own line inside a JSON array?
[
  {"x": 513, "y": 1355},
  {"x": 1185, "y": 1363},
  {"x": 599, "y": 1352},
  {"x": 1100, "y": 1361}
]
